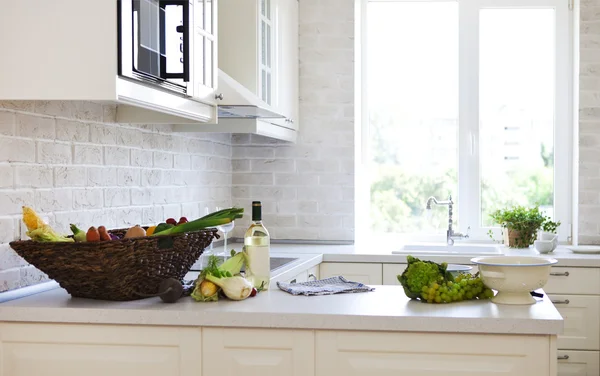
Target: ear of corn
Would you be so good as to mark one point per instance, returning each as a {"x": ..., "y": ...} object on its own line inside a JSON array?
[
  {"x": 31, "y": 219},
  {"x": 47, "y": 234},
  {"x": 38, "y": 230}
]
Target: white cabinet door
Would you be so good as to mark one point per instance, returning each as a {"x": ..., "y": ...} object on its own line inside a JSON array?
[
  {"x": 391, "y": 272},
  {"x": 300, "y": 277},
  {"x": 98, "y": 350},
  {"x": 257, "y": 352},
  {"x": 578, "y": 363},
  {"x": 287, "y": 61},
  {"x": 431, "y": 354},
  {"x": 205, "y": 54},
  {"x": 369, "y": 274},
  {"x": 313, "y": 273},
  {"x": 581, "y": 316}
]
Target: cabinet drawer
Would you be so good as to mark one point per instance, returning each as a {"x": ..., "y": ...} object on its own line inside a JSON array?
[
  {"x": 369, "y": 274},
  {"x": 98, "y": 350},
  {"x": 578, "y": 363},
  {"x": 579, "y": 281},
  {"x": 409, "y": 354},
  {"x": 581, "y": 321},
  {"x": 265, "y": 352}
]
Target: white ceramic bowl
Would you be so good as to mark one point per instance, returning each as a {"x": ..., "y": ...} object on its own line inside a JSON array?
[
  {"x": 514, "y": 277},
  {"x": 455, "y": 269}
]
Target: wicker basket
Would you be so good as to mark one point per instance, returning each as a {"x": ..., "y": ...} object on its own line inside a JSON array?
[{"x": 118, "y": 269}]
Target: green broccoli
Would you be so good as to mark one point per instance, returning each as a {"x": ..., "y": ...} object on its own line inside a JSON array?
[{"x": 420, "y": 273}]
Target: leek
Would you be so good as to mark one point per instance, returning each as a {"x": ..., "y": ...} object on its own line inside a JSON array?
[{"x": 221, "y": 217}]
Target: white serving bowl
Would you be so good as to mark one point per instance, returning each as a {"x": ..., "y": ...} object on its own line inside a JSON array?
[
  {"x": 456, "y": 269},
  {"x": 514, "y": 277}
]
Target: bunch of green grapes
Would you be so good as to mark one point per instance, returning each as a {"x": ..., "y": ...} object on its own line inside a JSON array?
[{"x": 465, "y": 287}]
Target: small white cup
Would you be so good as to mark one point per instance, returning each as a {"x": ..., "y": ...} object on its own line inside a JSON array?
[
  {"x": 544, "y": 246},
  {"x": 548, "y": 236}
]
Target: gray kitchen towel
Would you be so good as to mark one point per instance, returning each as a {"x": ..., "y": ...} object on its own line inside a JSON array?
[{"x": 327, "y": 286}]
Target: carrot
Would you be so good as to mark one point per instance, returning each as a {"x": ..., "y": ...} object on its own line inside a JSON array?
[
  {"x": 103, "y": 234},
  {"x": 92, "y": 235}
]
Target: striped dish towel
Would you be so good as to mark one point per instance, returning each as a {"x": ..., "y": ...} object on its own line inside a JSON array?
[{"x": 327, "y": 286}]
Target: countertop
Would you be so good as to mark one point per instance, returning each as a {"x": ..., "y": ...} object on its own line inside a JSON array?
[
  {"x": 385, "y": 309},
  {"x": 370, "y": 254}
]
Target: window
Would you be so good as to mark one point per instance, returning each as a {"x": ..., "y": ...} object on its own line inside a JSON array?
[{"x": 468, "y": 98}]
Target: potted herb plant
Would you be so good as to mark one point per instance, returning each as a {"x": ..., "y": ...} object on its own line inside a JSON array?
[{"x": 520, "y": 225}]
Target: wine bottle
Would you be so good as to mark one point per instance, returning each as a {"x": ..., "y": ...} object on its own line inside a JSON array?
[{"x": 257, "y": 244}]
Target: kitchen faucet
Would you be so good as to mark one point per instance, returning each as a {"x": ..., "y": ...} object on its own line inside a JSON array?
[{"x": 450, "y": 234}]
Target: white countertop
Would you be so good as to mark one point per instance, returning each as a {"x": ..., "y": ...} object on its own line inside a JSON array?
[
  {"x": 362, "y": 254},
  {"x": 385, "y": 309}
]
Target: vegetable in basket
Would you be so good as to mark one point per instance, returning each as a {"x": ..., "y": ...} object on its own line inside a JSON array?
[
  {"x": 78, "y": 234},
  {"x": 38, "y": 230},
  {"x": 217, "y": 218}
]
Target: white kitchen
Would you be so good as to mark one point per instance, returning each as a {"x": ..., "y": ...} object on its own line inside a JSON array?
[{"x": 359, "y": 133}]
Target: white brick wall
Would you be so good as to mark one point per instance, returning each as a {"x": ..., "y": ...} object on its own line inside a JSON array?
[
  {"x": 307, "y": 188},
  {"x": 71, "y": 163},
  {"x": 589, "y": 124}
]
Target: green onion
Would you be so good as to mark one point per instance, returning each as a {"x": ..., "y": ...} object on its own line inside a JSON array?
[{"x": 221, "y": 217}]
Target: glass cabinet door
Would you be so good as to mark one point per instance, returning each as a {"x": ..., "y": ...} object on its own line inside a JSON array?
[
  {"x": 266, "y": 53},
  {"x": 205, "y": 50}
]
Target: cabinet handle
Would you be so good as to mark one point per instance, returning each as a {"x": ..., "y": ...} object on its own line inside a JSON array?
[
  {"x": 565, "y": 274},
  {"x": 566, "y": 301},
  {"x": 562, "y": 357},
  {"x": 219, "y": 96},
  {"x": 312, "y": 276},
  {"x": 293, "y": 280}
]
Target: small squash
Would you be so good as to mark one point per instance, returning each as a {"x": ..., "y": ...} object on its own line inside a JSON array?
[{"x": 135, "y": 232}]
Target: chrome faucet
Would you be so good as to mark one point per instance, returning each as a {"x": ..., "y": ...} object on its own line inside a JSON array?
[{"x": 450, "y": 234}]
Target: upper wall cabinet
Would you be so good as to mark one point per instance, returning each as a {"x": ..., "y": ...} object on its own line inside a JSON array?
[
  {"x": 258, "y": 68},
  {"x": 157, "y": 59}
]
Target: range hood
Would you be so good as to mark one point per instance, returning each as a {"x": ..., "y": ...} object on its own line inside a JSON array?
[
  {"x": 240, "y": 103},
  {"x": 241, "y": 111}
]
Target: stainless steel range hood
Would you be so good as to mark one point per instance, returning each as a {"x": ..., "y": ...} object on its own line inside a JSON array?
[{"x": 240, "y": 103}]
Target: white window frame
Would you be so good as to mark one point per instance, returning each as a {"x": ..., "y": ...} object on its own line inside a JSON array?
[{"x": 469, "y": 188}]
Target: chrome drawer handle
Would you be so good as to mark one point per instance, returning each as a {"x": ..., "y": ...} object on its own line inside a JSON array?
[
  {"x": 565, "y": 274},
  {"x": 312, "y": 276},
  {"x": 562, "y": 357},
  {"x": 566, "y": 301}
]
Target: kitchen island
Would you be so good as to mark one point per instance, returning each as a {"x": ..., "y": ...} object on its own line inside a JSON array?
[{"x": 375, "y": 333}]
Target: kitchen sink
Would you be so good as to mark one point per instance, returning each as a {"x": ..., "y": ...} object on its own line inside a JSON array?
[
  {"x": 460, "y": 249},
  {"x": 278, "y": 262}
]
